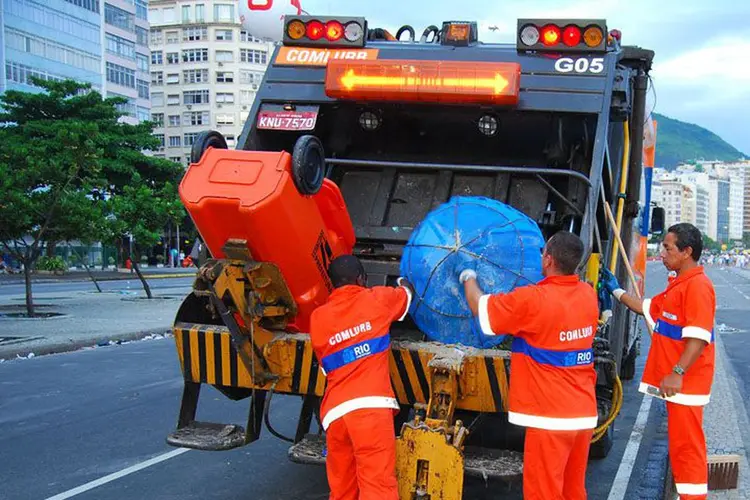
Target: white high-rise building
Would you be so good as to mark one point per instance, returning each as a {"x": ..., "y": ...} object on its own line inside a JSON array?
[
  {"x": 126, "y": 55},
  {"x": 701, "y": 208},
  {"x": 699, "y": 185},
  {"x": 734, "y": 173},
  {"x": 671, "y": 199},
  {"x": 205, "y": 72},
  {"x": 718, "y": 213},
  {"x": 689, "y": 204},
  {"x": 100, "y": 42},
  {"x": 737, "y": 179}
]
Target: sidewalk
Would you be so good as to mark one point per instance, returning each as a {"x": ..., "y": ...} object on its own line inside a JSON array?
[
  {"x": 725, "y": 421},
  {"x": 89, "y": 318},
  {"x": 108, "y": 275}
]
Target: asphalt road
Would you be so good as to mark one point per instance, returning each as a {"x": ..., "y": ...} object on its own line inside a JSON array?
[
  {"x": 67, "y": 420},
  {"x": 733, "y": 305},
  {"x": 83, "y": 286}
]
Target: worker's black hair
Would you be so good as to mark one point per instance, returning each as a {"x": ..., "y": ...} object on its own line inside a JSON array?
[
  {"x": 567, "y": 250},
  {"x": 345, "y": 270},
  {"x": 688, "y": 235}
]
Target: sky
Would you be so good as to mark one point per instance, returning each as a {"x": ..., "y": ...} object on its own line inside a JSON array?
[{"x": 701, "y": 69}]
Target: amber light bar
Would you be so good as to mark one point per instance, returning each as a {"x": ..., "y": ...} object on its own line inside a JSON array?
[{"x": 424, "y": 81}]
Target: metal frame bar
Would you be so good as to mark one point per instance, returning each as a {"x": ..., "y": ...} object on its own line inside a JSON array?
[
  {"x": 459, "y": 167},
  {"x": 189, "y": 404},
  {"x": 560, "y": 195},
  {"x": 598, "y": 156}
]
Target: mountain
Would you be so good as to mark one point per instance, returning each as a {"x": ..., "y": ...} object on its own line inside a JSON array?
[{"x": 679, "y": 142}]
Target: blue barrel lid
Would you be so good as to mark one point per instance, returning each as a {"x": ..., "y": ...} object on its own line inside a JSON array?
[{"x": 505, "y": 245}]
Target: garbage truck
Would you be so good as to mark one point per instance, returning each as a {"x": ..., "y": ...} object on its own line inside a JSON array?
[{"x": 355, "y": 135}]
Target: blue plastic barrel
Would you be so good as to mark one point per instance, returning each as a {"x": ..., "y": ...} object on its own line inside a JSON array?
[{"x": 505, "y": 244}]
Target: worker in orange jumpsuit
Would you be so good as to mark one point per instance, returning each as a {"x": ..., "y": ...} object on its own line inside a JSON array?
[
  {"x": 680, "y": 363},
  {"x": 350, "y": 337},
  {"x": 552, "y": 378}
]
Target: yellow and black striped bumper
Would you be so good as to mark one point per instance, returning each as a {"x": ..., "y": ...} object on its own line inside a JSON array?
[{"x": 207, "y": 355}]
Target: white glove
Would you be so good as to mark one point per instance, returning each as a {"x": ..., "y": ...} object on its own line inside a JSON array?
[{"x": 467, "y": 274}]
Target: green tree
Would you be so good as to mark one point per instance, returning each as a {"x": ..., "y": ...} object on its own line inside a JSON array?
[
  {"x": 65, "y": 158},
  {"x": 710, "y": 245},
  {"x": 141, "y": 212},
  {"x": 48, "y": 161}
]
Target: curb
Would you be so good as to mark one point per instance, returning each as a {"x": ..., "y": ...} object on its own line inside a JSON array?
[
  {"x": 657, "y": 478},
  {"x": 12, "y": 352},
  {"x": 162, "y": 276},
  {"x": 87, "y": 279}
]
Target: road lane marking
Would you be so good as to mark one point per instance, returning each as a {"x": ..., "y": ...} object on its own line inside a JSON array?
[
  {"x": 622, "y": 478},
  {"x": 734, "y": 285},
  {"x": 117, "y": 475}
]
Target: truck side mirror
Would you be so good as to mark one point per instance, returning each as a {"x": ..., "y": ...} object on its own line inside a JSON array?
[{"x": 657, "y": 220}]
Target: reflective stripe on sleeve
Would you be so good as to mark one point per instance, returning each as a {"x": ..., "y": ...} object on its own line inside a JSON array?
[
  {"x": 551, "y": 423},
  {"x": 358, "y": 404},
  {"x": 484, "y": 315},
  {"x": 647, "y": 313},
  {"x": 679, "y": 398},
  {"x": 408, "y": 303},
  {"x": 696, "y": 332}
]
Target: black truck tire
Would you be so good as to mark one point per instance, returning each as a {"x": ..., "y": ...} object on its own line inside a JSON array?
[
  {"x": 205, "y": 140},
  {"x": 627, "y": 367},
  {"x": 601, "y": 448},
  {"x": 627, "y": 371},
  {"x": 308, "y": 164}
]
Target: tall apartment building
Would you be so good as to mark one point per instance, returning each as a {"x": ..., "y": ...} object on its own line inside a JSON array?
[
  {"x": 698, "y": 184},
  {"x": 689, "y": 204},
  {"x": 125, "y": 39},
  {"x": 101, "y": 42},
  {"x": 734, "y": 172},
  {"x": 205, "y": 71},
  {"x": 701, "y": 207},
  {"x": 736, "y": 201},
  {"x": 671, "y": 200},
  {"x": 50, "y": 39},
  {"x": 719, "y": 198}
]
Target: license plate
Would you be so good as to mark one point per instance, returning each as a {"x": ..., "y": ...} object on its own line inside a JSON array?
[{"x": 287, "y": 120}]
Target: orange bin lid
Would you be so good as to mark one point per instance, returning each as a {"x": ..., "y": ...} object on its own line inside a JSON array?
[{"x": 220, "y": 171}]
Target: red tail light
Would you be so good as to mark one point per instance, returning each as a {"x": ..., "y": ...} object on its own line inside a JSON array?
[
  {"x": 582, "y": 35},
  {"x": 572, "y": 36},
  {"x": 334, "y": 31},
  {"x": 550, "y": 35},
  {"x": 315, "y": 30},
  {"x": 324, "y": 31}
]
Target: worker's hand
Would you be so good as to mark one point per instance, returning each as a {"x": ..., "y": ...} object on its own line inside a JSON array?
[
  {"x": 608, "y": 280},
  {"x": 464, "y": 267},
  {"x": 671, "y": 385}
]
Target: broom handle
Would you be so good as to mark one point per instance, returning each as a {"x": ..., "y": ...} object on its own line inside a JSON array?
[
  {"x": 624, "y": 256},
  {"x": 621, "y": 248}
]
